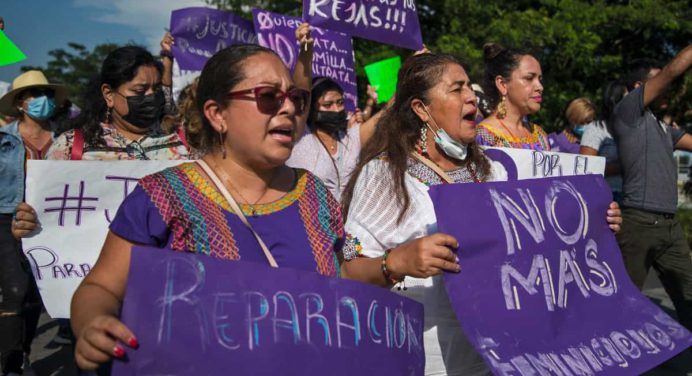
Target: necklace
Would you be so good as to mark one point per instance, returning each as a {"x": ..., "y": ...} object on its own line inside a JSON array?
[
  {"x": 502, "y": 123},
  {"x": 227, "y": 179}
]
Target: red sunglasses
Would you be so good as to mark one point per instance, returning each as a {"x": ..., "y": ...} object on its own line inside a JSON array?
[{"x": 270, "y": 99}]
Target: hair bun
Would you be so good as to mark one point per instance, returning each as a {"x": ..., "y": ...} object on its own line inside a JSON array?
[{"x": 491, "y": 50}]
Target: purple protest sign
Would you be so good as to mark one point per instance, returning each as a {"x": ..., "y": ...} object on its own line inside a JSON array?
[
  {"x": 390, "y": 22},
  {"x": 197, "y": 315},
  {"x": 332, "y": 53},
  {"x": 200, "y": 32},
  {"x": 542, "y": 288}
]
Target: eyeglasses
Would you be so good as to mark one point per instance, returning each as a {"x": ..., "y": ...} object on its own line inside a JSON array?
[{"x": 270, "y": 99}]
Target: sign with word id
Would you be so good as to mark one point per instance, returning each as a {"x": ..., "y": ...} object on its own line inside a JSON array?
[
  {"x": 198, "y": 315},
  {"x": 543, "y": 289},
  {"x": 332, "y": 55},
  {"x": 75, "y": 201}
]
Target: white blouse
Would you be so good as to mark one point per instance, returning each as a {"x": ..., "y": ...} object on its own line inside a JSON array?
[{"x": 372, "y": 221}]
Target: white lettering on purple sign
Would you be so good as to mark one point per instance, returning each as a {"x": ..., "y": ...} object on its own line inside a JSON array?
[
  {"x": 251, "y": 320},
  {"x": 600, "y": 278},
  {"x": 599, "y": 354},
  {"x": 385, "y": 14}
]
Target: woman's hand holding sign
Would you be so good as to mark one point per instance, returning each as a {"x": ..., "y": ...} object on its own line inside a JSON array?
[{"x": 424, "y": 257}]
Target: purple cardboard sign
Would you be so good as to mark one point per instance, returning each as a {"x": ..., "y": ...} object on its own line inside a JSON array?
[
  {"x": 197, "y": 315},
  {"x": 332, "y": 53},
  {"x": 543, "y": 289},
  {"x": 201, "y": 32},
  {"x": 390, "y": 22}
]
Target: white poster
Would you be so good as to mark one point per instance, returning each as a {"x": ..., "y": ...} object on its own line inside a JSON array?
[
  {"x": 75, "y": 201},
  {"x": 522, "y": 164}
]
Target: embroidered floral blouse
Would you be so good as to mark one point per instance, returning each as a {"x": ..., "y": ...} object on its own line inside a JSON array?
[
  {"x": 487, "y": 135},
  {"x": 115, "y": 146}
]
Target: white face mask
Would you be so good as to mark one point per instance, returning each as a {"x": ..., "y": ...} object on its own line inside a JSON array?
[{"x": 449, "y": 146}]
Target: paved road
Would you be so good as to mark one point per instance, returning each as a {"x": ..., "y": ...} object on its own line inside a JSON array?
[{"x": 51, "y": 359}]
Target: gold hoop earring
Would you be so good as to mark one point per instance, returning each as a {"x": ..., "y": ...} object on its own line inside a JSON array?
[{"x": 502, "y": 108}]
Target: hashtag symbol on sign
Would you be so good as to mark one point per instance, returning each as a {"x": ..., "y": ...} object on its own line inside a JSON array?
[{"x": 67, "y": 204}]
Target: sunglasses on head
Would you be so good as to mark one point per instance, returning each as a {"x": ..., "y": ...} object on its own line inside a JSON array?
[{"x": 270, "y": 99}]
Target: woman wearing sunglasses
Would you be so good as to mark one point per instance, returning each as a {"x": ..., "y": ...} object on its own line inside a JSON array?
[{"x": 251, "y": 115}]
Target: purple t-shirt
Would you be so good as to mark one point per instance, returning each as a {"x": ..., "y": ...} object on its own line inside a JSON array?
[{"x": 303, "y": 230}]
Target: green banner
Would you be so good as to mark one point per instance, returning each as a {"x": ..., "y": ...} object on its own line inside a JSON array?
[
  {"x": 9, "y": 52},
  {"x": 383, "y": 77}
]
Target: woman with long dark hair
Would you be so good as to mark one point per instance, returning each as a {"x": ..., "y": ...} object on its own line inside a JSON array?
[
  {"x": 426, "y": 137},
  {"x": 248, "y": 119},
  {"x": 121, "y": 114}
]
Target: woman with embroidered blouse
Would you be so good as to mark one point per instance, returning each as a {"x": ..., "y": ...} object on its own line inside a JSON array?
[
  {"x": 426, "y": 137},
  {"x": 121, "y": 115},
  {"x": 251, "y": 115},
  {"x": 513, "y": 82}
]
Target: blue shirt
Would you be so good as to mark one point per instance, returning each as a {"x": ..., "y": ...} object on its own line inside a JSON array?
[{"x": 11, "y": 167}]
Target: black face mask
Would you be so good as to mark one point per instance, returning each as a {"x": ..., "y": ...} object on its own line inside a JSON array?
[
  {"x": 144, "y": 111},
  {"x": 331, "y": 121}
]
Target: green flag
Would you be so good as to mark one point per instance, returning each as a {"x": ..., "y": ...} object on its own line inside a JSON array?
[
  {"x": 9, "y": 53},
  {"x": 382, "y": 76}
]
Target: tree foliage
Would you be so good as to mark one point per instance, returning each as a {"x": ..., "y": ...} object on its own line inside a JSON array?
[
  {"x": 582, "y": 44},
  {"x": 75, "y": 66}
]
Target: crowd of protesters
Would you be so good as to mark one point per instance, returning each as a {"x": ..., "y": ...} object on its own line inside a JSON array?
[{"x": 262, "y": 141}]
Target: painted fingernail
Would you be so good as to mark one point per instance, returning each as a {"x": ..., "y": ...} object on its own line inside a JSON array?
[
  {"x": 132, "y": 342},
  {"x": 118, "y": 352},
  {"x": 456, "y": 259}
]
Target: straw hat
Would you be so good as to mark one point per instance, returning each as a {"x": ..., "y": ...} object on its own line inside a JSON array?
[{"x": 27, "y": 80}]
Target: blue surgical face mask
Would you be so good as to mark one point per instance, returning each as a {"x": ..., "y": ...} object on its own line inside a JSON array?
[
  {"x": 41, "y": 108},
  {"x": 449, "y": 146},
  {"x": 579, "y": 130}
]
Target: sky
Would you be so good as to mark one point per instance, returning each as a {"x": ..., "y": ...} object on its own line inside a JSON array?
[{"x": 38, "y": 26}]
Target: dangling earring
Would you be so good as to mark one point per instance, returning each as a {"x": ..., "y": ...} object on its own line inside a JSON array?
[
  {"x": 222, "y": 142},
  {"x": 502, "y": 108},
  {"x": 423, "y": 142},
  {"x": 108, "y": 115},
  {"x": 222, "y": 139}
]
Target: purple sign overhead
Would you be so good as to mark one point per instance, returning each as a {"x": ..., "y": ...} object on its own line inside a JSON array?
[
  {"x": 200, "y": 32},
  {"x": 332, "y": 53},
  {"x": 542, "y": 288},
  {"x": 385, "y": 21},
  {"x": 197, "y": 315}
]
